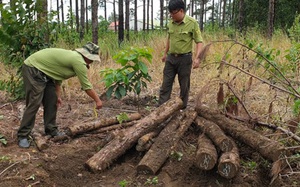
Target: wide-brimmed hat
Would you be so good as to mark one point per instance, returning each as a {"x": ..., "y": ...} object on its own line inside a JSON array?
[{"x": 90, "y": 51}]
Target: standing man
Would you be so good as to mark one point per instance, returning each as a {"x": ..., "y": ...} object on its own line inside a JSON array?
[
  {"x": 182, "y": 31},
  {"x": 43, "y": 73}
]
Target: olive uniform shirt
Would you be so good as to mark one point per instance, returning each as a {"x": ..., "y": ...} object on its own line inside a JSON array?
[
  {"x": 60, "y": 64},
  {"x": 183, "y": 34}
]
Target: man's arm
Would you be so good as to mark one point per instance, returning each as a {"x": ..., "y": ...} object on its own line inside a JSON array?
[
  {"x": 95, "y": 97},
  {"x": 58, "y": 94},
  {"x": 166, "y": 50},
  {"x": 196, "y": 61}
]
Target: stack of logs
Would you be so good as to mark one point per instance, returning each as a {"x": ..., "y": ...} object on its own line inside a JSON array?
[{"x": 168, "y": 124}]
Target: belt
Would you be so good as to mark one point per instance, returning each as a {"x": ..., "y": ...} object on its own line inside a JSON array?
[{"x": 179, "y": 55}]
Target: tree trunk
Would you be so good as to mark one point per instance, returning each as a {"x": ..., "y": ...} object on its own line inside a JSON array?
[
  {"x": 42, "y": 16},
  {"x": 77, "y": 15},
  {"x": 229, "y": 163},
  {"x": 152, "y": 18},
  {"x": 62, "y": 13},
  {"x": 95, "y": 21},
  {"x": 241, "y": 16},
  {"x": 120, "y": 144},
  {"x": 86, "y": 17},
  {"x": 93, "y": 125},
  {"x": 161, "y": 14},
  {"x": 105, "y": 11},
  {"x": 213, "y": 14},
  {"x": 271, "y": 16},
  {"x": 215, "y": 133},
  {"x": 71, "y": 14},
  {"x": 82, "y": 19},
  {"x": 224, "y": 13},
  {"x": 115, "y": 17},
  {"x": 201, "y": 15},
  {"x": 127, "y": 15},
  {"x": 58, "y": 11},
  {"x": 144, "y": 15},
  {"x": 269, "y": 149},
  {"x": 165, "y": 142},
  {"x": 148, "y": 19},
  {"x": 121, "y": 23},
  {"x": 206, "y": 156},
  {"x": 135, "y": 17}
]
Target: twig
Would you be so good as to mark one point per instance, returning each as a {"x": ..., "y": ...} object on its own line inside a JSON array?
[
  {"x": 10, "y": 167},
  {"x": 118, "y": 109},
  {"x": 4, "y": 105},
  {"x": 271, "y": 126},
  {"x": 239, "y": 100},
  {"x": 267, "y": 60},
  {"x": 264, "y": 81}
]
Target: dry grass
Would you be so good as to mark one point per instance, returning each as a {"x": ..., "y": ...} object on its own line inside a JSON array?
[{"x": 257, "y": 99}]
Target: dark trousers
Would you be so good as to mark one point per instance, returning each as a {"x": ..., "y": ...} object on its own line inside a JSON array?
[
  {"x": 39, "y": 89},
  {"x": 182, "y": 66}
]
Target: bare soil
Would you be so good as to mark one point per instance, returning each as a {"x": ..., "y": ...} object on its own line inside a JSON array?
[{"x": 62, "y": 164}]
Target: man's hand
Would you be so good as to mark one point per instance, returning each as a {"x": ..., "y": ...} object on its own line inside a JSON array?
[
  {"x": 163, "y": 59},
  {"x": 98, "y": 104},
  {"x": 196, "y": 63},
  {"x": 59, "y": 102}
]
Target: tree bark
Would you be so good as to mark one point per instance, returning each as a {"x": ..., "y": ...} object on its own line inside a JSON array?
[
  {"x": 165, "y": 142},
  {"x": 271, "y": 16},
  {"x": 120, "y": 144},
  {"x": 40, "y": 141},
  {"x": 121, "y": 23},
  {"x": 95, "y": 21},
  {"x": 229, "y": 163},
  {"x": 269, "y": 149},
  {"x": 215, "y": 133},
  {"x": 206, "y": 155},
  {"x": 93, "y": 125}
]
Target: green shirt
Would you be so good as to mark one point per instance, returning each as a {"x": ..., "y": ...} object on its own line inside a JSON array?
[
  {"x": 60, "y": 64},
  {"x": 182, "y": 35}
]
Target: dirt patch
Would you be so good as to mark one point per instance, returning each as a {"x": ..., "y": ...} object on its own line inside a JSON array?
[{"x": 62, "y": 164}]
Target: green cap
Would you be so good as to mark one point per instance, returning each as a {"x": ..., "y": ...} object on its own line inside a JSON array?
[{"x": 90, "y": 51}]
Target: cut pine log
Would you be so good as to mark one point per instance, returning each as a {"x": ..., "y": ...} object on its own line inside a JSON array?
[
  {"x": 144, "y": 147},
  {"x": 215, "y": 133},
  {"x": 120, "y": 144},
  {"x": 93, "y": 125},
  {"x": 229, "y": 163},
  {"x": 148, "y": 137},
  {"x": 40, "y": 141},
  {"x": 269, "y": 149},
  {"x": 115, "y": 127},
  {"x": 164, "y": 143},
  {"x": 206, "y": 155}
]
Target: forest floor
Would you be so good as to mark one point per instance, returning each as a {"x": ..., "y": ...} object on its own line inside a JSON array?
[{"x": 62, "y": 163}]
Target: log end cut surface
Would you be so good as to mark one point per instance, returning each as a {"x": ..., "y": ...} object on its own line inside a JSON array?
[
  {"x": 205, "y": 161},
  {"x": 228, "y": 169}
]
